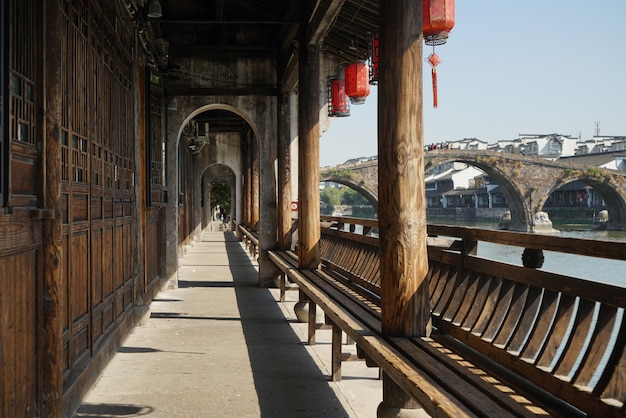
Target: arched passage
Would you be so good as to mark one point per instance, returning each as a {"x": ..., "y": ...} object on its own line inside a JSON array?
[
  {"x": 242, "y": 155},
  {"x": 213, "y": 177},
  {"x": 232, "y": 140}
]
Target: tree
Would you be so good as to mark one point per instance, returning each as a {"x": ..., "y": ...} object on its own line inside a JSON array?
[
  {"x": 220, "y": 196},
  {"x": 354, "y": 198},
  {"x": 331, "y": 196}
]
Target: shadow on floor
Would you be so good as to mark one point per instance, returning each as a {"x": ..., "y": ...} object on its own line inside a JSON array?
[
  {"x": 112, "y": 410},
  {"x": 287, "y": 380}
]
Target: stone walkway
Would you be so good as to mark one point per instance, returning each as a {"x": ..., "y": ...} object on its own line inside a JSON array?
[{"x": 220, "y": 346}]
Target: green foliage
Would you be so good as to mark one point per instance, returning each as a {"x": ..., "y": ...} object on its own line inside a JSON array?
[
  {"x": 352, "y": 197},
  {"x": 334, "y": 196},
  {"x": 331, "y": 196},
  {"x": 568, "y": 172},
  {"x": 339, "y": 172},
  {"x": 592, "y": 172},
  {"x": 220, "y": 195}
]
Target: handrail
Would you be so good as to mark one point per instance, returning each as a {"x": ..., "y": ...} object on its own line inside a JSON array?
[{"x": 580, "y": 246}]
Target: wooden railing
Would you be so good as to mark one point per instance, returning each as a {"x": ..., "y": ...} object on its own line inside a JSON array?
[{"x": 558, "y": 338}]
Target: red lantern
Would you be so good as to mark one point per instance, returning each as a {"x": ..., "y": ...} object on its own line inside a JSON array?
[
  {"x": 356, "y": 76},
  {"x": 374, "y": 42},
  {"x": 338, "y": 104},
  {"x": 437, "y": 20}
]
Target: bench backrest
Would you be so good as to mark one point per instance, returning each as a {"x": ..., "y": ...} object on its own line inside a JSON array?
[{"x": 563, "y": 334}]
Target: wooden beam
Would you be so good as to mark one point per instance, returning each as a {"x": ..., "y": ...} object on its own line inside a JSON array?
[
  {"x": 191, "y": 90},
  {"x": 322, "y": 20},
  {"x": 289, "y": 78},
  {"x": 227, "y": 52}
]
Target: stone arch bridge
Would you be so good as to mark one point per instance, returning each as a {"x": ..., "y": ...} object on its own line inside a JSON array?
[{"x": 527, "y": 181}]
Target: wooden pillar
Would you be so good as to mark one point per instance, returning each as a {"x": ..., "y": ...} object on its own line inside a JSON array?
[
  {"x": 246, "y": 181},
  {"x": 52, "y": 388},
  {"x": 284, "y": 173},
  {"x": 401, "y": 209},
  {"x": 254, "y": 182},
  {"x": 308, "y": 155}
]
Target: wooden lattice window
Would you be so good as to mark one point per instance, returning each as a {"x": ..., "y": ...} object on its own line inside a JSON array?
[
  {"x": 156, "y": 147},
  {"x": 4, "y": 152},
  {"x": 22, "y": 41}
]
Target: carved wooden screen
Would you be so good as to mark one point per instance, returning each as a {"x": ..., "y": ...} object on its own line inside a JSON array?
[{"x": 97, "y": 183}]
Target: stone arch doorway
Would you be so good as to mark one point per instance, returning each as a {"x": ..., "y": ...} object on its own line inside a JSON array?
[
  {"x": 230, "y": 138},
  {"x": 233, "y": 153},
  {"x": 219, "y": 193}
]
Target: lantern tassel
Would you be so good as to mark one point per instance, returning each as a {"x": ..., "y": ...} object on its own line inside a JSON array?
[
  {"x": 434, "y": 60},
  {"x": 434, "y": 77}
]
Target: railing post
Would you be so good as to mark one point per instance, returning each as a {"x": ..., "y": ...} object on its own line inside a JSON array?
[{"x": 402, "y": 212}]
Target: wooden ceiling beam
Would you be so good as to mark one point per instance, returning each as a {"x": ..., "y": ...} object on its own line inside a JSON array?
[
  {"x": 190, "y": 90},
  {"x": 322, "y": 20}
]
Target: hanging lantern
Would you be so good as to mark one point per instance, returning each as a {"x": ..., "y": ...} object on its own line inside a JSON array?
[
  {"x": 356, "y": 77},
  {"x": 437, "y": 22},
  {"x": 338, "y": 104},
  {"x": 374, "y": 42}
]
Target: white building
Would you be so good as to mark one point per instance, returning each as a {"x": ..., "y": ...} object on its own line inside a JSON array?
[{"x": 549, "y": 146}]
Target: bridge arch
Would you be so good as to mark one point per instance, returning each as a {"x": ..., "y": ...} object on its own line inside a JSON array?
[
  {"x": 519, "y": 201},
  {"x": 526, "y": 181},
  {"x": 613, "y": 196},
  {"x": 359, "y": 186}
]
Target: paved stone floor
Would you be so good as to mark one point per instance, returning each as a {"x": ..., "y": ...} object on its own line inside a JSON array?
[{"x": 221, "y": 346}]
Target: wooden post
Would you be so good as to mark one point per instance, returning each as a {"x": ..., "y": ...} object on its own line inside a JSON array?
[
  {"x": 247, "y": 180},
  {"x": 52, "y": 233},
  {"x": 402, "y": 212},
  {"x": 284, "y": 173},
  {"x": 308, "y": 155},
  {"x": 254, "y": 183}
]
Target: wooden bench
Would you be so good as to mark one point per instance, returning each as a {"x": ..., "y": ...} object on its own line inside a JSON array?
[{"x": 555, "y": 353}]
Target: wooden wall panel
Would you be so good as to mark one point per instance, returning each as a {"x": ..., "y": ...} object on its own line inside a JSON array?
[
  {"x": 96, "y": 267},
  {"x": 108, "y": 319},
  {"x": 18, "y": 324},
  {"x": 153, "y": 247}
]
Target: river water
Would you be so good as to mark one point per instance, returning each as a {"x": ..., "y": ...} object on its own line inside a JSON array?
[{"x": 591, "y": 268}]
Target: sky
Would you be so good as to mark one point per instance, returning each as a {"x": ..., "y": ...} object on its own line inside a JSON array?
[{"x": 511, "y": 68}]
